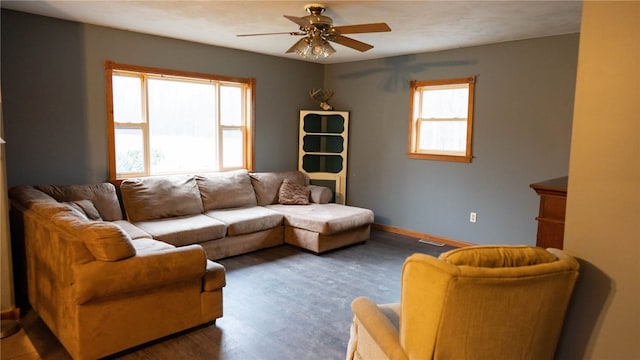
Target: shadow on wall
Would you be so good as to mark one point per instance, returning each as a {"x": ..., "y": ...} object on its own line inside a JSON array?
[
  {"x": 401, "y": 70},
  {"x": 46, "y": 123},
  {"x": 591, "y": 297}
]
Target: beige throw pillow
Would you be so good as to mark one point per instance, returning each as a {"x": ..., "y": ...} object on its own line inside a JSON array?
[{"x": 293, "y": 194}]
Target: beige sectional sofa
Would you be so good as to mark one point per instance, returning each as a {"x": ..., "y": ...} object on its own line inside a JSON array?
[
  {"x": 104, "y": 279},
  {"x": 235, "y": 212}
]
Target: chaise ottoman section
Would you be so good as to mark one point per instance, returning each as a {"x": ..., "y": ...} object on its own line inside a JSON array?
[{"x": 323, "y": 227}]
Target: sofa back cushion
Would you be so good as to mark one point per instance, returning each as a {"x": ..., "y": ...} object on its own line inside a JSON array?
[
  {"x": 102, "y": 195},
  {"x": 158, "y": 197},
  {"x": 267, "y": 184},
  {"x": 226, "y": 190}
]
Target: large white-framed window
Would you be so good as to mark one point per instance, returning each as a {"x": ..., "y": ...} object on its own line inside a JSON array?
[
  {"x": 174, "y": 122},
  {"x": 441, "y": 119}
]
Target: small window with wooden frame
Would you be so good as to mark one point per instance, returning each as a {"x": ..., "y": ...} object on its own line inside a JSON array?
[{"x": 441, "y": 119}]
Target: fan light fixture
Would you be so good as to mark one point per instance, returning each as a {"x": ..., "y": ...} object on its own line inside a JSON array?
[
  {"x": 318, "y": 31},
  {"x": 313, "y": 47}
]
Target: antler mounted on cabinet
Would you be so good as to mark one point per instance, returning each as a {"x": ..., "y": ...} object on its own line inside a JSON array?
[{"x": 322, "y": 96}]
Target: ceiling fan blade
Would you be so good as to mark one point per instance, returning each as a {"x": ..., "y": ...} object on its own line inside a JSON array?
[
  {"x": 362, "y": 28},
  {"x": 352, "y": 43},
  {"x": 274, "y": 33},
  {"x": 302, "y": 22}
]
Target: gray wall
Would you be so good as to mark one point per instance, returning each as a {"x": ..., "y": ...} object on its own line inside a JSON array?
[
  {"x": 54, "y": 98},
  {"x": 521, "y": 135},
  {"x": 55, "y": 119}
]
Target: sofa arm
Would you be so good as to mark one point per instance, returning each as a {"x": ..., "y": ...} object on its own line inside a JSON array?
[
  {"x": 143, "y": 271},
  {"x": 320, "y": 194},
  {"x": 372, "y": 333}
]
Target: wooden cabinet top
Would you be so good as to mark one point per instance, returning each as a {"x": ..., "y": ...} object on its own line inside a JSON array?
[{"x": 553, "y": 186}]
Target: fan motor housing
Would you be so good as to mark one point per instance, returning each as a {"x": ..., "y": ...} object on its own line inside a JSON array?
[{"x": 316, "y": 18}]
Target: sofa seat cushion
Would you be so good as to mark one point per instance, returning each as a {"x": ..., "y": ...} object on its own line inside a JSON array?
[
  {"x": 324, "y": 219},
  {"x": 133, "y": 231},
  {"x": 247, "y": 220},
  {"x": 184, "y": 230}
]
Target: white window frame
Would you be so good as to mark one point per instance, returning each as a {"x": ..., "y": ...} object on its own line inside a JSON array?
[
  {"x": 418, "y": 89},
  {"x": 146, "y": 73}
]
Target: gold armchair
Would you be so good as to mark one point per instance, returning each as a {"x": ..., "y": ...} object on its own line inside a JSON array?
[{"x": 479, "y": 302}]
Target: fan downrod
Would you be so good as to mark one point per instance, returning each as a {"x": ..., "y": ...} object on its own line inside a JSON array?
[{"x": 315, "y": 8}]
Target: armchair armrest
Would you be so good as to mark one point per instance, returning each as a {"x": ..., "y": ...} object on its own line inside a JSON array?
[
  {"x": 373, "y": 333},
  {"x": 142, "y": 271}
]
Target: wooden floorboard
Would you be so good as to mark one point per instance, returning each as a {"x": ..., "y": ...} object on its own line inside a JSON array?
[{"x": 280, "y": 303}]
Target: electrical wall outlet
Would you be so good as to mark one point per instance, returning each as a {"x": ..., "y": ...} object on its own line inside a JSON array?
[{"x": 472, "y": 217}]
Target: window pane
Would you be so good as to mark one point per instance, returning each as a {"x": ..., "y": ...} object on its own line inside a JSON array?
[
  {"x": 443, "y": 136},
  {"x": 232, "y": 148},
  {"x": 129, "y": 150},
  {"x": 444, "y": 102},
  {"x": 127, "y": 99},
  {"x": 181, "y": 127},
  {"x": 230, "y": 105}
]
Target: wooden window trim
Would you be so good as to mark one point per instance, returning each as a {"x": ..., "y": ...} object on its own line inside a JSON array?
[
  {"x": 414, "y": 127},
  {"x": 111, "y": 66}
]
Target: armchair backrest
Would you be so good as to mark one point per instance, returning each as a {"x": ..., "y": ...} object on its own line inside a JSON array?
[{"x": 485, "y": 303}]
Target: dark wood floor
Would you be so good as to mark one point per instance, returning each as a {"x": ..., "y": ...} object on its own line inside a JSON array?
[{"x": 280, "y": 303}]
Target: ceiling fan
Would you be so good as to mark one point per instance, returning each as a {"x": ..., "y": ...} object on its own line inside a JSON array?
[{"x": 318, "y": 31}]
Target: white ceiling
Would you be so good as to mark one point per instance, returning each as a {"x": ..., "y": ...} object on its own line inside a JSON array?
[{"x": 417, "y": 26}]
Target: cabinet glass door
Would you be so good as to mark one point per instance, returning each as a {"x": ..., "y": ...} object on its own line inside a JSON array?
[
  {"x": 322, "y": 163},
  {"x": 323, "y": 143},
  {"x": 316, "y": 123}
]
